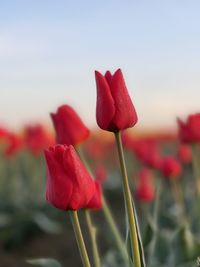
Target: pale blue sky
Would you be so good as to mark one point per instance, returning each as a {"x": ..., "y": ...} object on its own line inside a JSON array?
[{"x": 50, "y": 49}]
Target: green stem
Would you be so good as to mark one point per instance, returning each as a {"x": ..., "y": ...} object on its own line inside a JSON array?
[
  {"x": 196, "y": 170},
  {"x": 155, "y": 219},
  {"x": 113, "y": 227},
  {"x": 108, "y": 215},
  {"x": 93, "y": 233},
  {"x": 79, "y": 238},
  {"x": 128, "y": 203}
]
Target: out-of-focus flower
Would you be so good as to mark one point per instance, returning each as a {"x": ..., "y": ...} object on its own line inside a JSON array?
[
  {"x": 129, "y": 141},
  {"x": 3, "y": 132},
  {"x": 36, "y": 138},
  {"x": 171, "y": 167},
  {"x": 96, "y": 201},
  {"x": 69, "y": 185},
  {"x": 14, "y": 143},
  {"x": 145, "y": 191},
  {"x": 147, "y": 151},
  {"x": 70, "y": 129},
  {"x": 184, "y": 153},
  {"x": 189, "y": 131},
  {"x": 114, "y": 110},
  {"x": 100, "y": 174}
]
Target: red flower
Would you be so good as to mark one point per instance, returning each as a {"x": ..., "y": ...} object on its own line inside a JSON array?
[
  {"x": 69, "y": 185},
  {"x": 171, "y": 167},
  {"x": 145, "y": 191},
  {"x": 100, "y": 173},
  {"x": 3, "y": 132},
  {"x": 115, "y": 110},
  {"x": 147, "y": 151},
  {"x": 37, "y": 138},
  {"x": 14, "y": 144},
  {"x": 185, "y": 153},
  {"x": 70, "y": 129},
  {"x": 96, "y": 201},
  {"x": 189, "y": 131}
]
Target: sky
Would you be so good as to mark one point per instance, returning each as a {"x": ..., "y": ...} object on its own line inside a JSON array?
[{"x": 50, "y": 49}]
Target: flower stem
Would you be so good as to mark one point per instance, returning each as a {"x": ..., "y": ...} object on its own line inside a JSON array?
[
  {"x": 113, "y": 227},
  {"x": 128, "y": 204},
  {"x": 108, "y": 215},
  {"x": 93, "y": 232},
  {"x": 196, "y": 169},
  {"x": 79, "y": 238}
]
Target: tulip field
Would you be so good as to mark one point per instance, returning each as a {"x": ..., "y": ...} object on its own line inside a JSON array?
[{"x": 108, "y": 197}]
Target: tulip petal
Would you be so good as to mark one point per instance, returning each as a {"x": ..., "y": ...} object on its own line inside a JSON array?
[
  {"x": 58, "y": 188},
  {"x": 125, "y": 114},
  {"x": 70, "y": 129},
  {"x": 83, "y": 185},
  {"x": 105, "y": 108}
]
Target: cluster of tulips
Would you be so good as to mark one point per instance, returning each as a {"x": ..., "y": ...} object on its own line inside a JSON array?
[
  {"x": 71, "y": 186},
  {"x": 162, "y": 199}
]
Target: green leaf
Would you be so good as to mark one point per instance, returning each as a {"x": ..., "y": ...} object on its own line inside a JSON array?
[
  {"x": 148, "y": 234},
  {"x": 46, "y": 224},
  {"x": 186, "y": 247},
  {"x": 44, "y": 262},
  {"x": 162, "y": 247}
]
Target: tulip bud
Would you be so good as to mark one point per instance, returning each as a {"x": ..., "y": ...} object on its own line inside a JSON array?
[
  {"x": 70, "y": 129},
  {"x": 114, "y": 110},
  {"x": 69, "y": 185},
  {"x": 145, "y": 191},
  {"x": 189, "y": 131},
  {"x": 170, "y": 167}
]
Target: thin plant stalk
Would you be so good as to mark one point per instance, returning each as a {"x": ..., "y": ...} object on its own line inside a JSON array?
[
  {"x": 128, "y": 204},
  {"x": 91, "y": 228},
  {"x": 79, "y": 238},
  {"x": 109, "y": 217},
  {"x": 113, "y": 227},
  {"x": 196, "y": 168},
  {"x": 93, "y": 233},
  {"x": 155, "y": 219},
  {"x": 178, "y": 196}
]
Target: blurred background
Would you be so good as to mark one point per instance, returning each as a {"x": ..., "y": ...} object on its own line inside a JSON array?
[{"x": 48, "y": 53}]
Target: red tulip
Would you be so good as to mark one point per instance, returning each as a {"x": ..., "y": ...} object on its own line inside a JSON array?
[
  {"x": 115, "y": 110},
  {"x": 171, "y": 167},
  {"x": 96, "y": 201},
  {"x": 37, "y": 138},
  {"x": 69, "y": 185},
  {"x": 145, "y": 191},
  {"x": 147, "y": 151},
  {"x": 70, "y": 129},
  {"x": 14, "y": 144},
  {"x": 185, "y": 153},
  {"x": 100, "y": 174},
  {"x": 3, "y": 132},
  {"x": 189, "y": 131}
]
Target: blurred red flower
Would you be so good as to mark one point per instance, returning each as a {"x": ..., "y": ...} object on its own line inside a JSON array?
[
  {"x": 184, "y": 153},
  {"x": 147, "y": 151},
  {"x": 69, "y": 185},
  {"x": 3, "y": 132},
  {"x": 189, "y": 131},
  {"x": 145, "y": 190},
  {"x": 114, "y": 110},
  {"x": 70, "y": 129},
  {"x": 100, "y": 174},
  {"x": 14, "y": 143},
  {"x": 36, "y": 138},
  {"x": 171, "y": 167}
]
